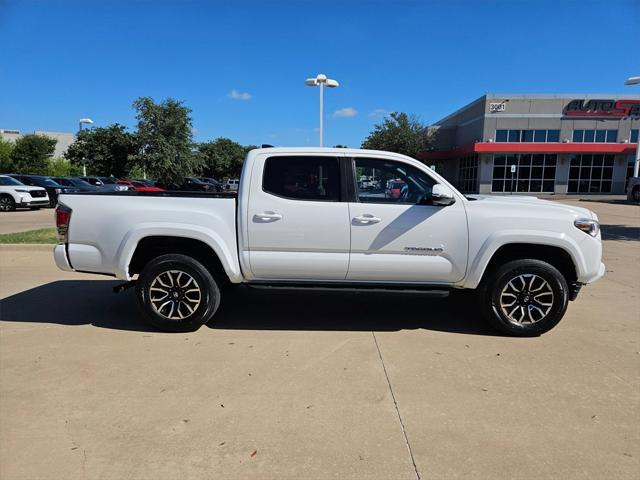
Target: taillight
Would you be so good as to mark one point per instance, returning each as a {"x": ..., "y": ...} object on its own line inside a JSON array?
[{"x": 63, "y": 217}]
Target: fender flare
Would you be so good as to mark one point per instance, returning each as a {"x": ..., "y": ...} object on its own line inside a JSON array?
[
  {"x": 500, "y": 239},
  {"x": 132, "y": 238}
]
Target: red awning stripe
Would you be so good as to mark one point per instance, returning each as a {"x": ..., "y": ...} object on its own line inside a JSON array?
[{"x": 530, "y": 147}]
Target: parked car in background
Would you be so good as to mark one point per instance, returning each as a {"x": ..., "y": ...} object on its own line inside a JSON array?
[
  {"x": 217, "y": 186},
  {"x": 140, "y": 186},
  {"x": 231, "y": 184},
  {"x": 190, "y": 184},
  {"x": 81, "y": 185},
  {"x": 52, "y": 187},
  {"x": 300, "y": 220},
  {"x": 15, "y": 194},
  {"x": 146, "y": 181},
  {"x": 394, "y": 188},
  {"x": 106, "y": 184},
  {"x": 633, "y": 189}
]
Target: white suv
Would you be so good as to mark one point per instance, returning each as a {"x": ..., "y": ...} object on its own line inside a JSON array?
[{"x": 14, "y": 194}]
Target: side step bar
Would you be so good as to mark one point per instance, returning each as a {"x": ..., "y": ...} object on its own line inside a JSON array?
[{"x": 409, "y": 289}]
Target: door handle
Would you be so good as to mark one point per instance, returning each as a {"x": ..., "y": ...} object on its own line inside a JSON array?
[
  {"x": 268, "y": 216},
  {"x": 367, "y": 219}
]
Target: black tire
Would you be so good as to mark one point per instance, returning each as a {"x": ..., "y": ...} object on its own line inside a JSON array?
[
  {"x": 164, "y": 318},
  {"x": 527, "y": 304},
  {"x": 7, "y": 203},
  {"x": 635, "y": 194}
]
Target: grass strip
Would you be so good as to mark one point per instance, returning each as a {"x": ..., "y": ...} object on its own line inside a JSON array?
[{"x": 40, "y": 235}]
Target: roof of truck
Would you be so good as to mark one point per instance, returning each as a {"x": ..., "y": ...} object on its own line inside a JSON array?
[{"x": 327, "y": 150}]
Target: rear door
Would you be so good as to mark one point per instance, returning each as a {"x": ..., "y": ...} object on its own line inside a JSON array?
[
  {"x": 298, "y": 222},
  {"x": 396, "y": 235}
]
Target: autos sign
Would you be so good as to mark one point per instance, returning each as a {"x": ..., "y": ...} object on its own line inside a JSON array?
[{"x": 602, "y": 108}]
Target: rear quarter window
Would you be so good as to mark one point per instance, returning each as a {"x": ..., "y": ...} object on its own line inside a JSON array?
[{"x": 302, "y": 178}]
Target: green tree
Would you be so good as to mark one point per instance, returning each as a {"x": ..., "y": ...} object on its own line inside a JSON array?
[
  {"x": 6, "y": 164},
  {"x": 104, "y": 150},
  {"x": 165, "y": 138},
  {"x": 59, "y": 167},
  {"x": 400, "y": 133},
  {"x": 31, "y": 153},
  {"x": 222, "y": 157}
]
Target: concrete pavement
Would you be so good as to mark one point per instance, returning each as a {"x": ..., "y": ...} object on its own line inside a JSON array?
[
  {"x": 22, "y": 220},
  {"x": 317, "y": 385}
]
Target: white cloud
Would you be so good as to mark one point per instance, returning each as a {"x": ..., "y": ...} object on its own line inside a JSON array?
[
  {"x": 236, "y": 95},
  {"x": 379, "y": 113},
  {"x": 345, "y": 112}
]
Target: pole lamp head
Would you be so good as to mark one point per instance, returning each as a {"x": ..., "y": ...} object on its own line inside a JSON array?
[
  {"x": 633, "y": 81},
  {"x": 86, "y": 120},
  {"x": 321, "y": 79}
]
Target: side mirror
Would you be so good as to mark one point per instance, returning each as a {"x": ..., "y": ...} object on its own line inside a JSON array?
[{"x": 442, "y": 196}]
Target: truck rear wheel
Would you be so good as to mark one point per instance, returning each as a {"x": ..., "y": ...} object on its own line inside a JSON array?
[
  {"x": 176, "y": 293},
  {"x": 524, "y": 298}
]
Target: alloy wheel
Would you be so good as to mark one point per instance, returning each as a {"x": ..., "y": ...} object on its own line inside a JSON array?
[
  {"x": 526, "y": 299},
  {"x": 175, "y": 294},
  {"x": 5, "y": 204}
]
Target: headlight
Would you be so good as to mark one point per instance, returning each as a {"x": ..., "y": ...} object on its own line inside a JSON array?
[
  {"x": 121, "y": 188},
  {"x": 592, "y": 227},
  {"x": 58, "y": 190},
  {"x": 21, "y": 191}
]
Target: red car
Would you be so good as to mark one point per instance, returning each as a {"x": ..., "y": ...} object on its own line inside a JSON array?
[
  {"x": 394, "y": 188},
  {"x": 140, "y": 186}
]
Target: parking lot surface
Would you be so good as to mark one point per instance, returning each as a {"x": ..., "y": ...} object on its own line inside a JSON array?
[
  {"x": 317, "y": 385},
  {"x": 22, "y": 220}
]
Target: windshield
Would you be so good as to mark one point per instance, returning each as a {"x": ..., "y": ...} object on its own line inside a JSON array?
[
  {"x": 46, "y": 182},
  {"x": 108, "y": 180},
  {"x": 78, "y": 183},
  {"x": 9, "y": 181}
]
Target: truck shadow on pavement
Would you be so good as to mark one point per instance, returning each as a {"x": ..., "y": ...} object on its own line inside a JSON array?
[
  {"x": 91, "y": 302},
  {"x": 620, "y": 232}
]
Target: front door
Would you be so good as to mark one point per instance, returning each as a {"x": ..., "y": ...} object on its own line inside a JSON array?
[
  {"x": 396, "y": 236},
  {"x": 298, "y": 227}
]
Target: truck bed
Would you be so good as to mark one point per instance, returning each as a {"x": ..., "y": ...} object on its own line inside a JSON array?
[{"x": 105, "y": 227}]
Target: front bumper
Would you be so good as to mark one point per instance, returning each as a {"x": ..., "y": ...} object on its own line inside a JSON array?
[
  {"x": 34, "y": 203},
  {"x": 595, "y": 277}
]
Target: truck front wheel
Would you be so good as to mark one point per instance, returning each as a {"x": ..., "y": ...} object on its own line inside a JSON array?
[
  {"x": 176, "y": 293},
  {"x": 524, "y": 298}
]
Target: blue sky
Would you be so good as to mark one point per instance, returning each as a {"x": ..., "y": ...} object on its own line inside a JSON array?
[{"x": 64, "y": 60}]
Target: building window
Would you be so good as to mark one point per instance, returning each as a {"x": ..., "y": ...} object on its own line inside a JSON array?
[
  {"x": 533, "y": 173},
  {"x": 590, "y": 174},
  {"x": 631, "y": 162},
  {"x": 633, "y": 137},
  {"x": 515, "y": 136},
  {"x": 595, "y": 136},
  {"x": 468, "y": 174}
]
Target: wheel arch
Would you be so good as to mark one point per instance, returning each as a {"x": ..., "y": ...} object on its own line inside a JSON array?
[
  {"x": 142, "y": 245},
  {"x": 554, "y": 255}
]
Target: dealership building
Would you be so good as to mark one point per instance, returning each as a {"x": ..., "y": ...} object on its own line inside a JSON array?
[{"x": 562, "y": 144}]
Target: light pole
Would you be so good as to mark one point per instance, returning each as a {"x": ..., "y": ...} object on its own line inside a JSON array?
[
  {"x": 636, "y": 166},
  {"x": 321, "y": 81},
  {"x": 81, "y": 122}
]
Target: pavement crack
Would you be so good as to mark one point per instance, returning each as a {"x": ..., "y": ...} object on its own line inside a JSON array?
[{"x": 395, "y": 404}]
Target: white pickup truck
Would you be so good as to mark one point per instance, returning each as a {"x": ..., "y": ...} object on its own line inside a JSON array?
[{"x": 301, "y": 219}]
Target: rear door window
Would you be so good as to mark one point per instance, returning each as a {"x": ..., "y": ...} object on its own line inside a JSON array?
[{"x": 303, "y": 178}]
